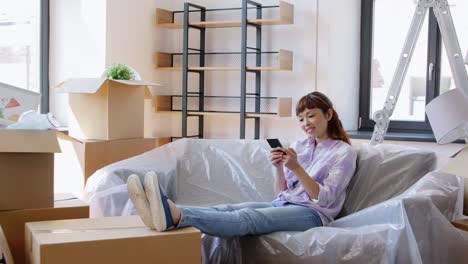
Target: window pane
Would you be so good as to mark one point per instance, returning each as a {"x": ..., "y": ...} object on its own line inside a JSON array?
[
  {"x": 392, "y": 19},
  {"x": 458, "y": 10},
  {"x": 19, "y": 43}
]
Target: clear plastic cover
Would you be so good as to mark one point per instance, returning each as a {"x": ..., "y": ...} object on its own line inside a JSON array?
[{"x": 413, "y": 227}]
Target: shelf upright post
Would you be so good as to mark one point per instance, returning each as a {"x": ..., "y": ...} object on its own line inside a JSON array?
[
  {"x": 244, "y": 47},
  {"x": 201, "y": 80},
  {"x": 243, "y": 90},
  {"x": 185, "y": 68},
  {"x": 258, "y": 74}
]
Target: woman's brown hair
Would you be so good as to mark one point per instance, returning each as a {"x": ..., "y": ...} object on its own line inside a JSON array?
[{"x": 319, "y": 100}]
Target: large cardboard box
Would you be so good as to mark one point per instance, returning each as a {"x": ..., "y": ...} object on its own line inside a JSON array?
[
  {"x": 458, "y": 165},
  {"x": 105, "y": 109},
  {"x": 80, "y": 159},
  {"x": 13, "y": 222},
  {"x": 27, "y": 168},
  {"x": 109, "y": 240},
  {"x": 5, "y": 254}
]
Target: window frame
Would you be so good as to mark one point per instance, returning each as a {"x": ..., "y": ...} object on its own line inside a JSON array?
[
  {"x": 44, "y": 55},
  {"x": 365, "y": 122}
]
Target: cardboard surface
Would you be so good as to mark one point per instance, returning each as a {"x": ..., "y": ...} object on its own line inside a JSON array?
[
  {"x": 109, "y": 240},
  {"x": 105, "y": 109},
  {"x": 27, "y": 168},
  {"x": 80, "y": 159},
  {"x": 5, "y": 254},
  {"x": 462, "y": 224},
  {"x": 28, "y": 141},
  {"x": 13, "y": 222},
  {"x": 458, "y": 165},
  {"x": 26, "y": 180}
]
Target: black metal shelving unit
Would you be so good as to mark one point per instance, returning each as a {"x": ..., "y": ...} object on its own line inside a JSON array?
[{"x": 244, "y": 70}]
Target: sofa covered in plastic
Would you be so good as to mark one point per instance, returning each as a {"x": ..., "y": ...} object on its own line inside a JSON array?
[{"x": 397, "y": 210}]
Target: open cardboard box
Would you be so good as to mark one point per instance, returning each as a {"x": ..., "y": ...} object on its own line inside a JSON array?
[
  {"x": 82, "y": 158},
  {"x": 105, "y": 109},
  {"x": 109, "y": 240},
  {"x": 27, "y": 168},
  {"x": 5, "y": 254}
]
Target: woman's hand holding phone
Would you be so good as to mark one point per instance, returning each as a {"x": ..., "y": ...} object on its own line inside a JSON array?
[{"x": 276, "y": 157}]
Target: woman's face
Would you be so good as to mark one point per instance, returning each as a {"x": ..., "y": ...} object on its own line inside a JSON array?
[{"x": 314, "y": 122}]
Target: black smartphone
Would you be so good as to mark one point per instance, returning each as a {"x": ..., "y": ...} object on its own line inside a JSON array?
[{"x": 274, "y": 143}]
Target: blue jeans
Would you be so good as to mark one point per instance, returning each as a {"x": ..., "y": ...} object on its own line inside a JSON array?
[{"x": 254, "y": 218}]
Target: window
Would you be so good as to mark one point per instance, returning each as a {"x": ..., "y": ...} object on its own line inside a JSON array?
[
  {"x": 384, "y": 26},
  {"x": 24, "y": 46}
]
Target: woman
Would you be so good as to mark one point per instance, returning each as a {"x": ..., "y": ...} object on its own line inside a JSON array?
[{"x": 311, "y": 180}]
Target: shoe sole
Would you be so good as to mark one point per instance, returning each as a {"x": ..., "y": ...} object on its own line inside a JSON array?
[
  {"x": 138, "y": 197},
  {"x": 154, "y": 197}
]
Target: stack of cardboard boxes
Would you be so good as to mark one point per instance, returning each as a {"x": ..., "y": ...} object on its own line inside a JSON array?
[
  {"x": 27, "y": 187},
  {"x": 106, "y": 125}
]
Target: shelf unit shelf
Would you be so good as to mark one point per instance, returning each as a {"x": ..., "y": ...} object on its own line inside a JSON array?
[
  {"x": 163, "y": 105},
  {"x": 164, "y": 61},
  {"x": 165, "y": 19}
]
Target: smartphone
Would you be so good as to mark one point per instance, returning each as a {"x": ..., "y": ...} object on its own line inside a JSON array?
[{"x": 274, "y": 143}]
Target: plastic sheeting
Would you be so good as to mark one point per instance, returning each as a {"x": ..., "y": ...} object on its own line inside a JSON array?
[{"x": 413, "y": 227}]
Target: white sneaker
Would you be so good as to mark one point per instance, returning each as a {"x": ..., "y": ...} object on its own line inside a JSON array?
[
  {"x": 139, "y": 200},
  {"x": 160, "y": 210}
]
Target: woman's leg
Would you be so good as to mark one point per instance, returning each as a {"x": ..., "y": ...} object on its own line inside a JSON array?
[
  {"x": 249, "y": 221},
  {"x": 230, "y": 207}
]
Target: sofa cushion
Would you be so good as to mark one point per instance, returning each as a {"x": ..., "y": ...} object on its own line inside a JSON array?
[{"x": 383, "y": 172}]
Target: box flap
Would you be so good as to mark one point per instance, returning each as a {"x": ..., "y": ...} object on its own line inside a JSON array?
[
  {"x": 29, "y": 141},
  {"x": 81, "y": 85},
  {"x": 5, "y": 254},
  {"x": 134, "y": 82},
  {"x": 461, "y": 153},
  {"x": 66, "y": 137}
]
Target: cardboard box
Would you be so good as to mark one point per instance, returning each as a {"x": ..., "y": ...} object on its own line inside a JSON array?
[
  {"x": 457, "y": 165},
  {"x": 80, "y": 159},
  {"x": 105, "y": 109},
  {"x": 461, "y": 224},
  {"x": 13, "y": 222},
  {"x": 5, "y": 254},
  {"x": 109, "y": 240},
  {"x": 27, "y": 168}
]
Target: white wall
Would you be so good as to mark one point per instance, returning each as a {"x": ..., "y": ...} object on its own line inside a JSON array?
[
  {"x": 77, "y": 45},
  {"x": 339, "y": 56},
  {"x": 326, "y": 58}
]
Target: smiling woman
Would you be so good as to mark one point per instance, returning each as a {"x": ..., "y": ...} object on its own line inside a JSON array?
[{"x": 310, "y": 181}]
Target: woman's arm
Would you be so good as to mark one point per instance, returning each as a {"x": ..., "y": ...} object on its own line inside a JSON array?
[
  {"x": 280, "y": 180},
  {"x": 310, "y": 186},
  {"x": 276, "y": 158}
]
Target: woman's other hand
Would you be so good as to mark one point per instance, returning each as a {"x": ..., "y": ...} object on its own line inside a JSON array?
[{"x": 290, "y": 159}]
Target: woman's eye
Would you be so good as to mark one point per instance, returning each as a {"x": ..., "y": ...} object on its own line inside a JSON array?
[
  {"x": 311, "y": 116},
  {"x": 300, "y": 120}
]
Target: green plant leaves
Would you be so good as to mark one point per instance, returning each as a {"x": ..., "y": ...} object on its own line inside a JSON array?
[{"x": 119, "y": 72}]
